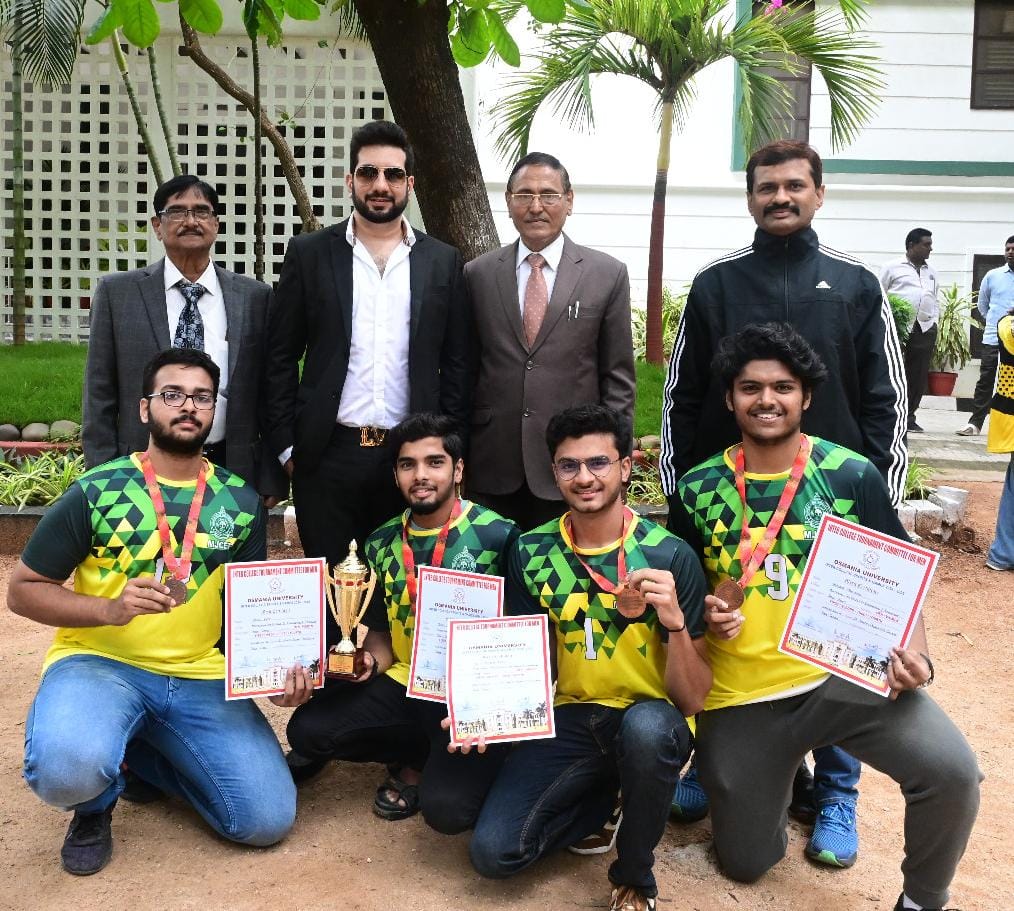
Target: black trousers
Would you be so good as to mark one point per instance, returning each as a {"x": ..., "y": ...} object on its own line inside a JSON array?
[
  {"x": 918, "y": 351},
  {"x": 376, "y": 722},
  {"x": 347, "y": 495},
  {"x": 984, "y": 386}
]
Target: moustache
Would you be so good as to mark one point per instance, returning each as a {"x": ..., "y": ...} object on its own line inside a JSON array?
[
  {"x": 385, "y": 196},
  {"x": 781, "y": 207}
]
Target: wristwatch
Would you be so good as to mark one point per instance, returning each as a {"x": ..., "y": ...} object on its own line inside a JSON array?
[{"x": 929, "y": 664}]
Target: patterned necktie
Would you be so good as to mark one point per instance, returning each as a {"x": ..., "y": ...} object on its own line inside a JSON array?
[
  {"x": 190, "y": 328},
  {"x": 536, "y": 298}
]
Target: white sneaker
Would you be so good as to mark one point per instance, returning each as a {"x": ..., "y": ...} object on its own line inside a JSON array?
[{"x": 969, "y": 430}]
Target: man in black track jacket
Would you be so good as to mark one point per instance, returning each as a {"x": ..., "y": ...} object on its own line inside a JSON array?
[{"x": 833, "y": 300}]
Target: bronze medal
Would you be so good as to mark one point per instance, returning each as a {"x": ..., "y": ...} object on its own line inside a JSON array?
[
  {"x": 730, "y": 592},
  {"x": 177, "y": 590},
  {"x": 630, "y": 602}
]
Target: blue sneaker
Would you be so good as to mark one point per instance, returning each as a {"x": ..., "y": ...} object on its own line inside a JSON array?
[
  {"x": 835, "y": 840},
  {"x": 689, "y": 802}
]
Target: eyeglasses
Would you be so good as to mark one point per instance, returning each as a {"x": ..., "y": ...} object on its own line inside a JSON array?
[
  {"x": 176, "y": 398},
  {"x": 370, "y": 173},
  {"x": 568, "y": 469},
  {"x": 177, "y": 214},
  {"x": 527, "y": 200}
]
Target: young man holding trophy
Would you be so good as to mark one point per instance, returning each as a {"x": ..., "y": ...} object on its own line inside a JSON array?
[{"x": 370, "y": 718}]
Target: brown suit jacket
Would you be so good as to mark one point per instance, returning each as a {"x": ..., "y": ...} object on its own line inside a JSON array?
[{"x": 582, "y": 355}]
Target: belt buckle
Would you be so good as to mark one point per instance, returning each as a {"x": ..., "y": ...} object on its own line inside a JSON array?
[{"x": 372, "y": 436}]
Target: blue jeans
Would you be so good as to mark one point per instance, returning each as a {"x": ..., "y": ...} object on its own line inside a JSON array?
[
  {"x": 91, "y": 713},
  {"x": 551, "y": 793},
  {"x": 1002, "y": 551},
  {"x": 835, "y": 776}
]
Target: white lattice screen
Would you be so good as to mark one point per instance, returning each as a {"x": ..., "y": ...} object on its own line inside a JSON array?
[{"x": 88, "y": 182}]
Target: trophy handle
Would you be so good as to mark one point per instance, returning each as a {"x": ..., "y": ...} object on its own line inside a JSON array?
[{"x": 369, "y": 597}]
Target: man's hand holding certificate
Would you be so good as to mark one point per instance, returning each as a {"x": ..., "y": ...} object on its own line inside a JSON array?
[{"x": 857, "y": 606}]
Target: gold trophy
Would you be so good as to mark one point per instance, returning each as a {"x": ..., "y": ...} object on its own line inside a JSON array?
[{"x": 348, "y": 596}]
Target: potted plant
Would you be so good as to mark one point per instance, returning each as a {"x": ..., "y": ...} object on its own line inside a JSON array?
[{"x": 951, "y": 351}]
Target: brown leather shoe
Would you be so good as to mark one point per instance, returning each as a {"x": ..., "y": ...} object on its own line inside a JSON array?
[{"x": 627, "y": 898}]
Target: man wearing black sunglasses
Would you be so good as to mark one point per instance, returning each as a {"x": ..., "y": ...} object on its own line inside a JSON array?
[
  {"x": 378, "y": 315},
  {"x": 182, "y": 301}
]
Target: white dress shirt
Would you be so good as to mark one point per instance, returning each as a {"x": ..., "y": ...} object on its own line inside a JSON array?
[
  {"x": 552, "y": 255},
  {"x": 211, "y": 305},
  {"x": 918, "y": 285},
  {"x": 376, "y": 384}
]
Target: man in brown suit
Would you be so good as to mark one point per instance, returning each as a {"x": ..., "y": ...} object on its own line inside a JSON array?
[{"x": 553, "y": 328}]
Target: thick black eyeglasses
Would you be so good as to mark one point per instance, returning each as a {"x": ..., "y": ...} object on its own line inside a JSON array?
[
  {"x": 175, "y": 398},
  {"x": 370, "y": 173},
  {"x": 568, "y": 469}
]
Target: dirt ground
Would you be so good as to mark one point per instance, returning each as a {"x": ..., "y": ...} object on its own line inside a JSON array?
[{"x": 340, "y": 856}]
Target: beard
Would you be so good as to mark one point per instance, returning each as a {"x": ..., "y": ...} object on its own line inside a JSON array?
[
  {"x": 379, "y": 218},
  {"x": 163, "y": 436}
]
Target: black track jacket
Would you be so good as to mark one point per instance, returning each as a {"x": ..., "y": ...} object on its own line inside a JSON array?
[{"x": 836, "y": 303}]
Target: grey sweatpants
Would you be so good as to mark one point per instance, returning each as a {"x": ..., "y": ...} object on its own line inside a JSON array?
[{"x": 747, "y": 756}]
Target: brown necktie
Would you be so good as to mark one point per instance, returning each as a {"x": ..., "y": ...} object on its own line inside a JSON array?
[{"x": 536, "y": 298}]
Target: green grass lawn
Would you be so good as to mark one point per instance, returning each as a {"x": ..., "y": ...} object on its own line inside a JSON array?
[
  {"x": 648, "y": 409},
  {"x": 41, "y": 381}
]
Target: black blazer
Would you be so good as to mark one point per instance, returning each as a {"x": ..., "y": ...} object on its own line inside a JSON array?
[{"x": 311, "y": 314}]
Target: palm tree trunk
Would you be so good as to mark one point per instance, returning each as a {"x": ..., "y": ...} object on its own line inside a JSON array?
[
  {"x": 135, "y": 106},
  {"x": 156, "y": 91},
  {"x": 656, "y": 249},
  {"x": 255, "y": 59},
  {"x": 192, "y": 48},
  {"x": 20, "y": 240}
]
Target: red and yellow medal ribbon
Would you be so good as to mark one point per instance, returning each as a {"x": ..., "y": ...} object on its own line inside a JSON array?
[
  {"x": 178, "y": 568},
  {"x": 408, "y": 557}
]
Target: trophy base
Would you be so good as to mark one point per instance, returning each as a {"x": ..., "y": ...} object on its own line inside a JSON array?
[{"x": 345, "y": 665}]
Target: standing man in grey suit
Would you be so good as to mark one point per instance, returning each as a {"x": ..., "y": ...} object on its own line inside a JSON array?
[
  {"x": 379, "y": 314},
  {"x": 553, "y": 326},
  {"x": 182, "y": 301}
]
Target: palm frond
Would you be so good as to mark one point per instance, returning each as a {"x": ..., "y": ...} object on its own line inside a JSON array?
[{"x": 47, "y": 33}]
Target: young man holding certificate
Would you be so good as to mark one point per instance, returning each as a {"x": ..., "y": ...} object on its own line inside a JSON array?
[
  {"x": 134, "y": 677},
  {"x": 625, "y": 599},
  {"x": 372, "y": 719},
  {"x": 752, "y": 511}
]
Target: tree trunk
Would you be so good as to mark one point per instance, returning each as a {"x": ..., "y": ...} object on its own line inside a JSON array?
[
  {"x": 135, "y": 106},
  {"x": 656, "y": 248},
  {"x": 255, "y": 60},
  {"x": 412, "y": 51},
  {"x": 192, "y": 48},
  {"x": 19, "y": 299}
]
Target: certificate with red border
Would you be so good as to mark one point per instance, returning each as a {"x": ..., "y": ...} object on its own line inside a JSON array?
[
  {"x": 274, "y": 618},
  {"x": 860, "y": 596},
  {"x": 445, "y": 594},
  {"x": 499, "y": 684}
]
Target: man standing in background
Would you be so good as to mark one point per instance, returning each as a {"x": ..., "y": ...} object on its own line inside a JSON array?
[{"x": 915, "y": 280}]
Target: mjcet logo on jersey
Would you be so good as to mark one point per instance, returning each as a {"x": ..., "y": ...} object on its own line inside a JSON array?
[
  {"x": 221, "y": 530},
  {"x": 813, "y": 512},
  {"x": 463, "y": 562}
]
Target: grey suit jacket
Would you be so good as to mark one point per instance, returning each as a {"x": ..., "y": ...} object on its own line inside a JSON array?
[
  {"x": 129, "y": 326},
  {"x": 583, "y": 355}
]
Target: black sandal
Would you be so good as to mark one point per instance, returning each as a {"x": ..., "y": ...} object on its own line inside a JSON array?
[{"x": 405, "y": 802}]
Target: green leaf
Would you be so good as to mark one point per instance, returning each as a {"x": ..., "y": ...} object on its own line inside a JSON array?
[
  {"x": 547, "y": 10},
  {"x": 104, "y": 26},
  {"x": 203, "y": 15},
  {"x": 503, "y": 43},
  {"x": 139, "y": 21},
  {"x": 476, "y": 4},
  {"x": 473, "y": 31},
  {"x": 464, "y": 55},
  {"x": 302, "y": 9}
]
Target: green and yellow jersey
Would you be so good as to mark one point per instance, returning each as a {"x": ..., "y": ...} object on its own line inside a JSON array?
[
  {"x": 478, "y": 542},
  {"x": 104, "y": 530},
  {"x": 836, "y": 480},
  {"x": 602, "y": 656}
]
